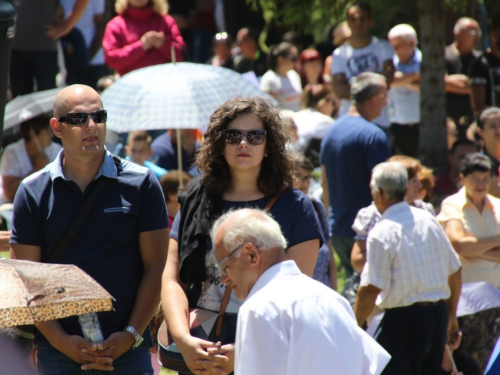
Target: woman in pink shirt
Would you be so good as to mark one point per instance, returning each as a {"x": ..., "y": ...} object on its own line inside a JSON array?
[{"x": 141, "y": 35}]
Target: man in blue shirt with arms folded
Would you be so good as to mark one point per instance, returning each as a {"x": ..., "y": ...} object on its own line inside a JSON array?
[
  {"x": 122, "y": 244},
  {"x": 349, "y": 151}
]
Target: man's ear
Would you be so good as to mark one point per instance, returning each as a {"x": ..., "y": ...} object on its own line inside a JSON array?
[
  {"x": 461, "y": 177},
  {"x": 56, "y": 127},
  {"x": 253, "y": 252},
  {"x": 381, "y": 193},
  {"x": 479, "y": 131}
]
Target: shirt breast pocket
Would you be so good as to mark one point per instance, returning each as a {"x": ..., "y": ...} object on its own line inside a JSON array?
[{"x": 117, "y": 210}]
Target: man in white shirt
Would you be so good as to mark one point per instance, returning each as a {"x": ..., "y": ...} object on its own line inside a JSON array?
[
  {"x": 288, "y": 323},
  {"x": 413, "y": 273},
  {"x": 362, "y": 52}
]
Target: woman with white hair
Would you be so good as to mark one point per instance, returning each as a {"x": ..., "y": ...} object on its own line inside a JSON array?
[{"x": 141, "y": 35}]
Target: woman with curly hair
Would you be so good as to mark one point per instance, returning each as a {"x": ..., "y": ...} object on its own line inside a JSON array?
[
  {"x": 244, "y": 162},
  {"x": 141, "y": 35}
]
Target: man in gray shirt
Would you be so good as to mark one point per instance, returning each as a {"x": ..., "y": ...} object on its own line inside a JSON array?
[{"x": 34, "y": 48}]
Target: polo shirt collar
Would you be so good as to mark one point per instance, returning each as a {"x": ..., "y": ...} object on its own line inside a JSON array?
[
  {"x": 108, "y": 167},
  {"x": 464, "y": 199},
  {"x": 287, "y": 267},
  {"x": 395, "y": 207}
]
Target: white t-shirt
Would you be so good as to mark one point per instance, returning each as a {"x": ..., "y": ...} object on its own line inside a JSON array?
[
  {"x": 288, "y": 90},
  {"x": 86, "y": 24},
  {"x": 354, "y": 61},
  {"x": 311, "y": 124},
  {"x": 16, "y": 161}
]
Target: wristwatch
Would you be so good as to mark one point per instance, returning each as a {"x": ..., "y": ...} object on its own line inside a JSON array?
[{"x": 138, "y": 338}]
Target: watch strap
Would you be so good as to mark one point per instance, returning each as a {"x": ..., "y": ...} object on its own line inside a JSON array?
[{"x": 137, "y": 337}]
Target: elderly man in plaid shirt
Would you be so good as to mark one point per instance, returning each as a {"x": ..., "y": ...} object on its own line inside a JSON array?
[{"x": 413, "y": 273}]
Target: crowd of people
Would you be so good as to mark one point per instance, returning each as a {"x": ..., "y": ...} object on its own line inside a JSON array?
[{"x": 332, "y": 170}]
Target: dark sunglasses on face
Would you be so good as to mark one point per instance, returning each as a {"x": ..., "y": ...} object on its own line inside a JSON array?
[
  {"x": 80, "y": 118},
  {"x": 253, "y": 137}
]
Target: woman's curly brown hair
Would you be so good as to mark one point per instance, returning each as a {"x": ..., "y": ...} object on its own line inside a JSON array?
[{"x": 277, "y": 167}]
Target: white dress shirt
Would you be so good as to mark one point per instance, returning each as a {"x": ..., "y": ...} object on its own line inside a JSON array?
[
  {"x": 292, "y": 324},
  {"x": 409, "y": 257}
]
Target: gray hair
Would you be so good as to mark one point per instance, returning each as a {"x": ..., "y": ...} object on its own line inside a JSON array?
[
  {"x": 392, "y": 178},
  {"x": 403, "y": 31},
  {"x": 462, "y": 23},
  {"x": 365, "y": 85},
  {"x": 258, "y": 227}
]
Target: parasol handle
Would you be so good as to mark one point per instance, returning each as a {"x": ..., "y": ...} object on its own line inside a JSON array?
[
  {"x": 179, "y": 158},
  {"x": 172, "y": 53}
]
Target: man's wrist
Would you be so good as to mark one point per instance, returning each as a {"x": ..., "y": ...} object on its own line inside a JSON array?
[{"x": 138, "y": 339}]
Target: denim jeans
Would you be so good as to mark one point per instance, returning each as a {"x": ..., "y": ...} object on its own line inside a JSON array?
[{"x": 52, "y": 362}]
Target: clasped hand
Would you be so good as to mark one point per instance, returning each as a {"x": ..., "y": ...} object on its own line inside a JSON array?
[
  {"x": 207, "y": 358},
  {"x": 153, "y": 39},
  {"x": 111, "y": 349}
]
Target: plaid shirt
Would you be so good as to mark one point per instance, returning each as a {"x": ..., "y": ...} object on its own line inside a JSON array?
[{"x": 409, "y": 257}]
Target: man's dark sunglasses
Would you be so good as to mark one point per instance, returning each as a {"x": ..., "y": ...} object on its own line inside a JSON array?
[
  {"x": 253, "y": 137},
  {"x": 80, "y": 118}
]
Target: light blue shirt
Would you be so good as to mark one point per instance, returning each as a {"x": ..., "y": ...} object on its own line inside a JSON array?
[{"x": 404, "y": 103}]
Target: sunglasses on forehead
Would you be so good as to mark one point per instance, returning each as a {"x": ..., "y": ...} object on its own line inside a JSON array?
[
  {"x": 80, "y": 118},
  {"x": 253, "y": 137}
]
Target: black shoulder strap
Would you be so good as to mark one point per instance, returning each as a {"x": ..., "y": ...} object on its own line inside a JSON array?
[{"x": 83, "y": 214}]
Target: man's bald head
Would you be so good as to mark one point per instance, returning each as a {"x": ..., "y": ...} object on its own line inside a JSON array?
[
  {"x": 250, "y": 225},
  {"x": 465, "y": 23},
  {"x": 71, "y": 96}
]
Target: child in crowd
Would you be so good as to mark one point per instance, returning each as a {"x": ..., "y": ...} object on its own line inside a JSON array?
[
  {"x": 170, "y": 186},
  {"x": 326, "y": 269},
  {"x": 138, "y": 150}
]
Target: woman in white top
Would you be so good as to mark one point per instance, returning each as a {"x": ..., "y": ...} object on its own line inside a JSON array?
[
  {"x": 281, "y": 80},
  {"x": 471, "y": 219},
  {"x": 319, "y": 103},
  {"x": 28, "y": 155}
]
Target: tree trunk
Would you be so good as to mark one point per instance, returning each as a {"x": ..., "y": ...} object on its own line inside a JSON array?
[{"x": 433, "y": 149}]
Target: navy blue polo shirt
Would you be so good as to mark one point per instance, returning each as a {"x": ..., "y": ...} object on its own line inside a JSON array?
[
  {"x": 107, "y": 246},
  {"x": 350, "y": 149},
  {"x": 165, "y": 150}
]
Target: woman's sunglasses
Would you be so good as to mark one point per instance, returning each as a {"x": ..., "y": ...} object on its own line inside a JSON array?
[
  {"x": 80, "y": 118},
  {"x": 253, "y": 137}
]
